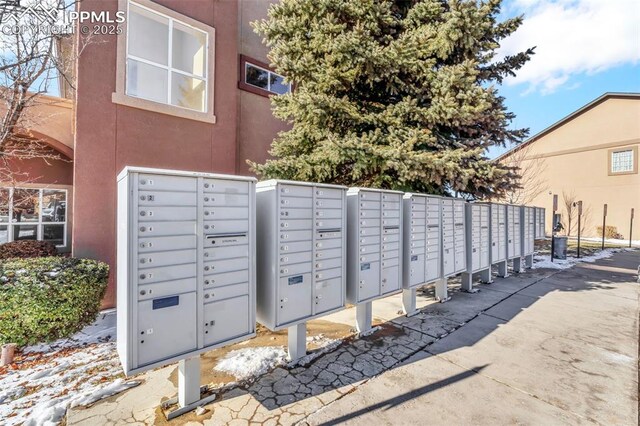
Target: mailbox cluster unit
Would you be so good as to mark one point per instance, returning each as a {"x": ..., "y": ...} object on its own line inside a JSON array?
[
  {"x": 539, "y": 219},
  {"x": 478, "y": 244},
  {"x": 186, "y": 264},
  {"x": 528, "y": 224},
  {"x": 301, "y": 251}
]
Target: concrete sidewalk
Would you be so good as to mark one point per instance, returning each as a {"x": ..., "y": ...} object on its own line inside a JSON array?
[
  {"x": 542, "y": 347},
  {"x": 563, "y": 350}
]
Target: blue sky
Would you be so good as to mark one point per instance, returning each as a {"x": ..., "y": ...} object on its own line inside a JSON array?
[{"x": 584, "y": 49}]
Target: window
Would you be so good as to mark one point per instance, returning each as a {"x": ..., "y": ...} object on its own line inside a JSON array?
[
  {"x": 33, "y": 214},
  {"x": 256, "y": 77},
  {"x": 623, "y": 161},
  {"x": 165, "y": 62}
]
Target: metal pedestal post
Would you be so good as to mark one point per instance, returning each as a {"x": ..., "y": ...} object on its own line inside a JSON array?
[
  {"x": 409, "y": 301},
  {"x": 467, "y": 282},
  {"x": 485, "y": 276},
  {"x": 503, "y": 271},
  {"x": 189, "y": 389},
  {"x": 364, "y": 316},
  {"x": 528, "y": 261},
  {"x": 441, "y": 290},
  {"x": 517, "y": 265},
  {"x": 297, "y": 341}
]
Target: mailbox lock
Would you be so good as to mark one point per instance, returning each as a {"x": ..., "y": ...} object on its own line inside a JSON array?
[
  {"x": 206, "y": 227},
  {"x": 206, "y": 185},
  {"x": 142, "y": 197},
  {"x": 206, "y": 268},
  {"x": 206, "y": 255},
  {"x": 143, "y": 276},
  {"x": 206, "y": 282},
  {"x": 143, "y": 182},
  {"x": 206, "y": 213},
  {"x": 142, "y": 293},
  {"x": 142, "y": 229},
  {"x": 206, "y": 296},
  {"x": 143, "y": 261},
  {"x": 143, "y": 213},
  {"x": 206, "y": 198}
]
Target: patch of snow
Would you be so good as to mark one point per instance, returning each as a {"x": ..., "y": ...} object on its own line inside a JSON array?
[
  {"x": 251, "y": 362},
  {"x": 635, "y": 243},
  {"x": 545, "y": 261}
]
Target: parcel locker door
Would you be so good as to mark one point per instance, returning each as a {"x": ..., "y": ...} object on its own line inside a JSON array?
[
  {"x": 226, "y": 319},
  {"x": 390, "y": 279},
  {"x": 166, "y": 327},
  {"x": 416, "y": 269},
  {"x": 294, "y": 298},
  {"x": 328, "y": 295},
  {"x": 448, "y": 260},
  {"x": 369, "y": 284}
]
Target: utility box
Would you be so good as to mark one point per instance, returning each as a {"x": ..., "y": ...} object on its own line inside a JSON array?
[
  {"x": 528, "y": 230},
  {"x": 539, "y": 219},
  {"x": 374, "y": 243},
  {"x": 422, "y": 234},
  {"x": 478, "y": 244},
  {"x": 186, "y": 271},
  {"x": 454, "y": 256},
  {"x": 301, "y": 251}
]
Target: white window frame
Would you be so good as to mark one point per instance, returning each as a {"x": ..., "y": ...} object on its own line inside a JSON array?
[
  {"x": 121, "y": 97},
  {"x": 269, "y": 72},
  {"x": 630, "y": 152},
  {"x": 38, "y": 224}
]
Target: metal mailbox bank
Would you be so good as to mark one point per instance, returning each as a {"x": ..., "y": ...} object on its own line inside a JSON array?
[
  {"x": 528, "y": 226},
  {"x": 454, "y": 256},
  {"x": 186, "y": 271},
  {"x": 478, "y": 244},
  {"x": 422, "y": 235},
  {"x": 301, "y": 255},
  {"x": 498, "y": 232},
  {"x": 539, "y": 219},
  {"x": 514, "y": 240},
  {"x": 374, "y": 248}
]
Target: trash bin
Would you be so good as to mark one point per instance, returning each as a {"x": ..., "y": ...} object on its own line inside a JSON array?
[{"x": 560, "y": 248}]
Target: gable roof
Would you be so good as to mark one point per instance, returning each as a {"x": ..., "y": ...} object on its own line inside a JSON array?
[{"x": 563, "y": 121}]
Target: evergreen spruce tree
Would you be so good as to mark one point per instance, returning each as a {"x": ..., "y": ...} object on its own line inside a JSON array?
[{"x": 392, "y": 93}]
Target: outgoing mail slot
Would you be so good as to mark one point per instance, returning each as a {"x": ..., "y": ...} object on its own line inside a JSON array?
[
  {"x": 328, "y": 274},
  {"x": 168, "y": 319},
  {"x": 166, "y": 258},
  {"x": 150, "y": 214},
  {"x": 295, "y": 225},
  {"x": 328, "y": 234},
  {"x": 226, "y": 292},
  {"x": 161, "y": 229},
  {"x": 146, "y": 245},
  {"x": 328, "y": 223},
  {"x": 166, "y": 198},
  {"x": 165, "y": 183},
  {"x": 226, "y": 265},
  {"x": 226, "y": 319},
  {"x": 286, "y": 236},
  {"x": 291, "y": 258},
  {"x": 298, "y": 203},
  {"x": 217, "y": 213},
  {"x": 299, "y": 268},
  {"x": 296, "y": 247},
  {"x": 321, "y": 265},
  {"x": 166, "y": 273},
  {"x": 230, "y": 252},
  {"x": 329, "y": 244},
  {"x": 227, "y": 278},
  {"x": 391, "y": 231},
  {"x": 328, "y": 295},
  {"x": 296, "y": 214},
  {"x": 328, "y": 214},
  {"x": 328, "y": 193},
  {"x": 166, "y": 288},
  {"x": 226, "y": 186},
  {"x": 225, "y": 226},
  {"x": 329, "y": 204},
  {"x": 328, "y": 253},
  {"x": 226, "y": 200},
  {"x": 296, "y": 191}
]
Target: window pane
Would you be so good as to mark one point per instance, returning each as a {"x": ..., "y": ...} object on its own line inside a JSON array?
[
  {"x": 54, "y": 206},
  {"x": 148, "y": 35},
  {"x": 146, "y": 81},
  {"x": 54, "y": 234},
  {"x": 26, "y": 205},
  {"x": 4, "y": 205},
  {"x": 187, "y": 92},
  {"x": 4, "y": 234},
  {"x": 622, "y": 161},
  {"x": 256, "y": 76},
  {"x": 189, "y": 49},
  {"x": 25, "y": 232},
  {"x": 277, "y": 84}
]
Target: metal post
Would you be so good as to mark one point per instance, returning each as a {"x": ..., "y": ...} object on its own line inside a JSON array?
[
  {"x": 579, "y": 225},
  {"x": 297, "y": 341},
  {"x": 441, "y": 290},
  {"x": 188, "y": 381},
  {"x": 631, "y": 227},
  {"x": 364, "y": 316},
  {"x": 553, "y": 225},
  {"x": 604, "y": 224},
  {"x": 409, "y": 301}
]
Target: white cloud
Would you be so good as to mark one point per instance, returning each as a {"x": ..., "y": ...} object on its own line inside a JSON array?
[{"x": 573, "y": 37}]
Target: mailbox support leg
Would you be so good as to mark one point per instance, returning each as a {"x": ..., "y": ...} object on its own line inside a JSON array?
[
  {"x": 441, "y": 290},
  {"x": 528, "y": 261},
  {"x": 517, "y": 265},
  {"x": 503, "y": 271},
  {"x": 467, "y": 282},
  {"x": 485, "y": 276},
  {"x": 409, "y": 302},
  {"x": 364, "y": 316},
  {"x": 189, "y": 390},
  {"x": 297, "y": 341}
]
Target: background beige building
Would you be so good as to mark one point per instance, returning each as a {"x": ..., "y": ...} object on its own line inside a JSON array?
[{"x": 589, "y": 156}]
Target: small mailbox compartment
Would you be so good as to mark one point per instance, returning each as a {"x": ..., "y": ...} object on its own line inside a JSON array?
[
  {"x": 229, "y": 252},
  {"x": 226, "y": 200},
  {"x": 225, "y": 186},
  {"x": 157, "y": 214},
  {"x": 226, "y": 319},
  {"x": 166, "y": 229},
  {"x": 329, "y": 204},
  {"x": 328, "y": 263},
  {"x": 167, "y": 319},
  {"x": 305, "y": 203},
  {"x": 218, "y": 280},
  {"x": 166, "y": 258},
  {"x": 225, "y": 226},
  {"x": 166, "y": 198},
  {"x": 166, "y": 183},
  {"x": 217, "y": 213},
  {"x": 296, "y": 214},
  {"x": 295, "y": 225}
]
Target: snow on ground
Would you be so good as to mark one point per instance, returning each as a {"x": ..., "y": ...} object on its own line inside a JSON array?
[
  {"x": 250, "y": 362},
  {"x": 545, "y": 261},
  {"x": 623, "y": 243},
  {"x": 46, "y": 380}
]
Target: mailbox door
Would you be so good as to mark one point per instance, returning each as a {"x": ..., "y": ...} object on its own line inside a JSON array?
[
  {"x": 328, "y": 295},
  {"x": 294, "y": 298},
  {"x": 226, "y": 319},
  {"x": 166, "y": 327},
  {"x": 416, "y": 269},
  {"x": 390, "y": 279},
  {"x": 369, "y": 280}
]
